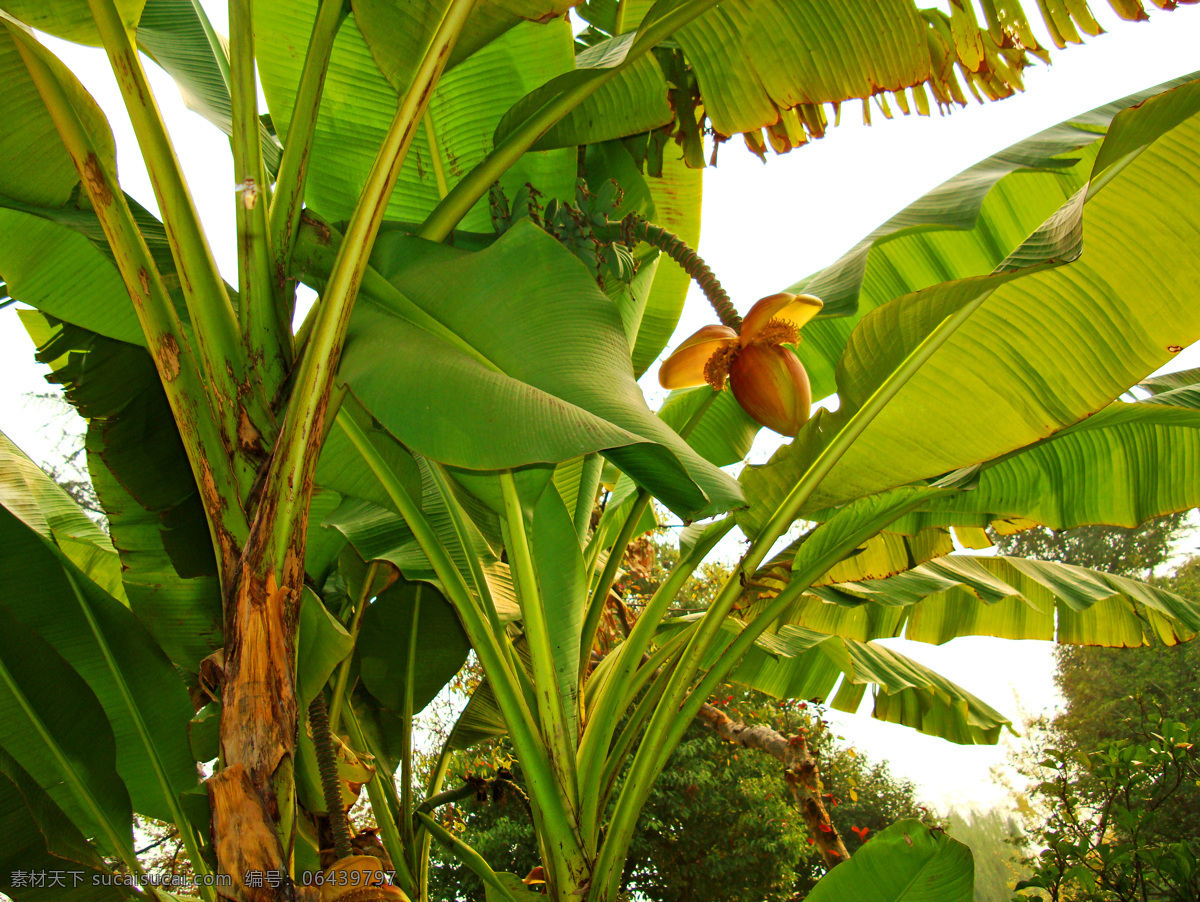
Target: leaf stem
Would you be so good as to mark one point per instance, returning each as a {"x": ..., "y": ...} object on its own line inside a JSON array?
[
  {"x": 599, "y": 599},
  {"x": 468, "y": 856},
  {"x": 208, "y": 305},
  {"x": 790, "y": 508},
  {"x": 289, "y": 482},
  {"x": 646, "y": 761},
  {"x": 376, "y": 795},
  {"x": 551, "y": 704},
  {"x": 293, "y": 165},
  {"x": 626, "y": 739},
  {"x": 436, "y": 778},
  {"x": 595, "y": 610},
  {"x": 435, "y": 156},
  {"x": 619, "y": 18},
  {"x": 550, "y": 804},
  {"x": 343, "y": 674},
  {"x": 406, "y": 718},
  {"x": 602, "y": 755},
  {"x": 612, "y": 697},
  {"x": 589, "y": 482},
  {"x": 166, "y": 340},
  {"x": 265, "y": 325},
  {"x": 458, "y": 519}
]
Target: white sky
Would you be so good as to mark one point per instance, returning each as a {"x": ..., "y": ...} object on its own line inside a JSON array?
[{"x": 765, "y": 226}]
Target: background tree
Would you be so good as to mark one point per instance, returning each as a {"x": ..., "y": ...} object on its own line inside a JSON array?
[
  {"x": 721, "y": 823},
  {"x": 1114, "y": 804},
  {"x": 1107, "y": 819},
  {"x": 1133, "y": 551}
]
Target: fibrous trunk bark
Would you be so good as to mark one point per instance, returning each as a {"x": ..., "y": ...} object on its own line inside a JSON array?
[{"x": 253, "y": 796}]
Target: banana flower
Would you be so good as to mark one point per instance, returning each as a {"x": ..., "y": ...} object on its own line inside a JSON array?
[{"x": 767, "y": 379}]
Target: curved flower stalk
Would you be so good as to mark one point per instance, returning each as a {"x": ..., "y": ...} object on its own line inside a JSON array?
[{"x": 767, "y": 379}]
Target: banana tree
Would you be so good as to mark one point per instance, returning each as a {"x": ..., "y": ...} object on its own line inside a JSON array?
[{"x": 313, "y": 525}]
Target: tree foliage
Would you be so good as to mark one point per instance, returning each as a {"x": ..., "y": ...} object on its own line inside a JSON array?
[
  {"x": 721, "y": 823},
  {"x": 1115, "y": 793},
  {"x": 1137, "y": 551},
  {"x": 1112, "y": 830}
]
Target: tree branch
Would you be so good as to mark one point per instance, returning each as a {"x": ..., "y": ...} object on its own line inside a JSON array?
[{"x": 800, "y": 771}]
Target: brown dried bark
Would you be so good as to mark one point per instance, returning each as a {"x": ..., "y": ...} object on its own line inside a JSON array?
[
  {"x": 245, "y": 841},
  {"x": 258, "y": 728},
  {"x": 801, "y": 771}
]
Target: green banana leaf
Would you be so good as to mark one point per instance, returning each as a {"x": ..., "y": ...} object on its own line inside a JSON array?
[
  {"x": 725, "y": 431},
  {"x": 481, "y": 719},
  {"x": 322, "y": 643},
  {"x": 523, "y": 336},
  {"x": 396, "y": 31},
  {"x": 141, "y": 694},
  {"x": 722, "y": 436},
  {"x": 102, "y": 307},
  {"x": 204, "y": 733},
  {"x": 36, "y": 167},
  {"x": 1188, "y": 396},
  {"x": 1010, "y": 598},
  {"x": 37, "y": 836},
  {"x": 358, "y": 105},
  {"x": 383, "y": 645},
  {"x": 340, "y": 468},
  {"x": 55, "y": 256},
  {"x": 1166, "y": 382},
  {"x": 677, "y": 192},
  {"x": 775, "y": 64},
  {"x": 610, "y": 172},
  {"x": 377, "y": 533},
  {"x": 52, "y": 724},
  {"x": 140, "y": 472},
  {"x": 964, "y": 227},
  {"x": 569, "y": 483},
  {"x": 45, "y": 508},
  {"x": 60, "y": 272},
  {"x": 796, "y": 662},
  {"x": 1090, "y": 327},
  {"x": 632, "y": 102},
  {"x": 69, "y": 19},
  {"x": 515, "y": 889},
  {"x": 37, "y": 174},
  {"x": 177, "y": 35},
  {"x": 55, "y": 252},
  {"x": 881, "y": 556},
  {"x": 907, "y": 862},
  {"x": 1125, "y": 465}
]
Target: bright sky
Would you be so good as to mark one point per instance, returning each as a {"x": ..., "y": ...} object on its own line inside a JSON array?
[{"x": 765, "y": 226}]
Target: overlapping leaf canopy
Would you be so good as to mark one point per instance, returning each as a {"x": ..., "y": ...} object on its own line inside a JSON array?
[{"x": 450, "y": 347}]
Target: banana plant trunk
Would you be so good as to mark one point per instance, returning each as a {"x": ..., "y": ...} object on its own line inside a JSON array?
[{"x": 253, "y": 795}]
